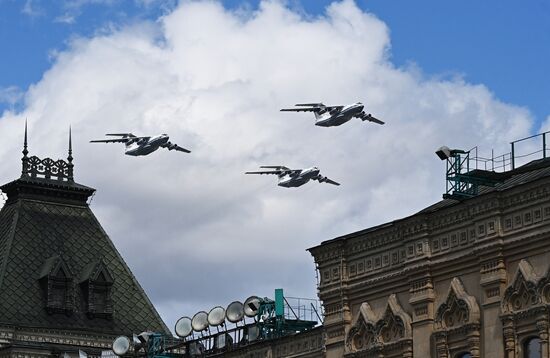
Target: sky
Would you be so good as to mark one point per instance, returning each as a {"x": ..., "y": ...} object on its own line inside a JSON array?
[{"x": 193, "y": 228}]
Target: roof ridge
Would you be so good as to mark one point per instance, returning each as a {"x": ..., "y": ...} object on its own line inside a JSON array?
[{"x": 131, "y": 274}]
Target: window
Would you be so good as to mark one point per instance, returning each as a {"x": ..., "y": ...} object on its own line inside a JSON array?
[
  {"x": 96, "y": 285},
  {"x": 464, "y": 355},
  {"x": 57, "y": 285},
  {"x": 531, "y": 348}
]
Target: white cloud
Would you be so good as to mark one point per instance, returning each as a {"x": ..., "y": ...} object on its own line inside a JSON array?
[
  {"x": 66, "y": 18},
  {"x": 195, "y": 230},
  {"x": 32, "y": 9},
  {"x": 11, "y": 95}
]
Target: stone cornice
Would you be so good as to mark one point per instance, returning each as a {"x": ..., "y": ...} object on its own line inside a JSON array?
[{"x": 493, "y": 204}]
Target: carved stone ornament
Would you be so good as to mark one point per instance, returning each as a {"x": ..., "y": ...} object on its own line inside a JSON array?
[
  {"x": 522, "y": 293},
  {"x": 362, "y": 334},
  {"x": 458, "y": 309},
  {"x": 370, "y": 334},
  {"x": 395, "y": 324}
]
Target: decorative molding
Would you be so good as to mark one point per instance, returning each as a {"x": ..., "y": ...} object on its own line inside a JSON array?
[
  {"x": 392, "y": 331},
  {"x": 522, "y": 292},
  {"x": 458, "y": 309}
]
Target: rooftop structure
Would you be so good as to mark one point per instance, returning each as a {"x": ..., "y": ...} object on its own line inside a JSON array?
[
  {"x": 465, "y": 277},
  {"x": 63, "y": 284}
]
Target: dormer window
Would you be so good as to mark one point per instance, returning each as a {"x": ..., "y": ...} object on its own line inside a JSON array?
[
  {"x": 96, "y": 283},
  {"x": 56, "y": 281}
]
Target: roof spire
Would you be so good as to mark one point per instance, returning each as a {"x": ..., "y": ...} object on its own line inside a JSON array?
[
  {"x": 70, "y": 158},
  {"x": 25, "y": 159}
]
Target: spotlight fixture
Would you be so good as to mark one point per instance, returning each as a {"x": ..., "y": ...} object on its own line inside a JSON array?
[
  {"x": 234, "y": 312},
  {"x": 121, "y": 345},
  {"x": 216, "y": 316},
  {"x": 199, "y": 321},
  {"x": 443, "y": 153},
  {"x": 183, "y": 327},
  {"x": 251, "y": 306}
]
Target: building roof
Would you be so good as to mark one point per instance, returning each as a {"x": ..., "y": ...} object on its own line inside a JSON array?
[
  {"x": 45, "y": 223},
  {"x": 530, "y": 172}
]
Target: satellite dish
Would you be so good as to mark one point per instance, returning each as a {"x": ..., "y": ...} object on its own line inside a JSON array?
[
  {"x": 199, "y": 321},
  {"x": 216, "y": 316},
  {"x": 251, "y": 306},
  {"x": 234, "y": 312},
  {"x": 183, "y": 327},
  {"x": 121, "y": 345}
]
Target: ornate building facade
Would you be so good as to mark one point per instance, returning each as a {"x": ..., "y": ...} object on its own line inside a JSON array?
[
  {"x": 459, "y": 279},
  {"x": 64, "y": 287}
]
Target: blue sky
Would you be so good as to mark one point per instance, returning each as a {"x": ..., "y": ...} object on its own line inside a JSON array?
[
  {"x": 461, "y": 76},
  {"x": 504, "y": 45}
]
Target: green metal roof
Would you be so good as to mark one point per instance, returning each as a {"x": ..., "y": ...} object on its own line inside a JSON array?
[{"x": 44, "y": 219}]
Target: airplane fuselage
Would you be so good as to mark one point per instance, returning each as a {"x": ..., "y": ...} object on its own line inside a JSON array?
[
  {"x": 296, "y": 180},
  {"x": 340, "y": 117},
  {"x": 147, "y": 147}
]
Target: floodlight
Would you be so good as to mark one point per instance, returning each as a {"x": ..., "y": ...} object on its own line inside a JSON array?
[
  {"x": 443, "y": 153},
  {"x": 144, "y": 337},
  {"x": 121, "y": 345},
  {"x": 137, "y": 342},
  {"x": 251, "y": 306},
  {"x": 183, "y": 327},
  {"x": 216, "y": 316},
  {"x": 234, "y": 312},
  {"x": 199, "y": 321}
]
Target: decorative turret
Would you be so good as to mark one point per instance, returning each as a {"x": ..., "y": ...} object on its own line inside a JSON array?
[
  {"x": 62, "y": 281},
  {"x": 49, "y": 178}
]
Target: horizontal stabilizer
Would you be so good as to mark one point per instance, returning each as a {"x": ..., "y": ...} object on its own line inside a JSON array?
[{"x": 370, "y": 118}]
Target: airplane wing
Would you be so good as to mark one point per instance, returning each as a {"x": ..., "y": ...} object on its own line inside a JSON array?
[
  {"x": 369, "y": 117},
  {"x": 121, "y": 134},
  {"x": 119, "y": 140},
  {"x": 314, "y": 107},
  {"x": 278, "y": 172},
  {"x": 277, "y": 169},
  {"x": 274, "y": 167},
  {"x": 172, "y": 146},
  {"x": 334, "y": 108}
]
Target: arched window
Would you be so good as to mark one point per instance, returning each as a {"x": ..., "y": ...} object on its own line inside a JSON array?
[
  {"x": 531, "y": 348},
  {"x": 464, "y": 355}
]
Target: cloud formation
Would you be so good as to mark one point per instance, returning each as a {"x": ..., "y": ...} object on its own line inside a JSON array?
[{"x": 194, "y": 229}]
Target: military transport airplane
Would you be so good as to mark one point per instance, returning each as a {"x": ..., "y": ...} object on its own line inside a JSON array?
[
  {"x": 330, "y": 116},
  {"x": 136, "y": 146},
  {"x": 289, "y": 178}
]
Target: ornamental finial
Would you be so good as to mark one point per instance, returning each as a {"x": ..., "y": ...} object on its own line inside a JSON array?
[
  {"x": 25, "y": 159},
  {"x": 70, "y": 158}
]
